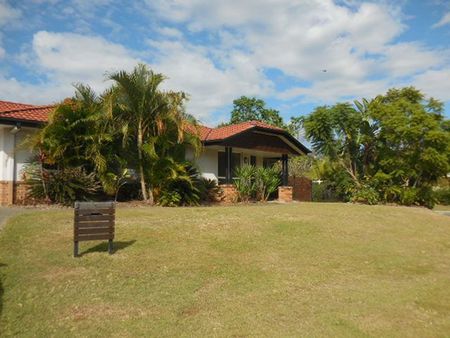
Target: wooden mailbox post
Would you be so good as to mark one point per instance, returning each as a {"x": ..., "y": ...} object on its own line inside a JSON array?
[{"x": 93, "y": 221}]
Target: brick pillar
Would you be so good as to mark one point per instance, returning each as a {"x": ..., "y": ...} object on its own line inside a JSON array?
[
  {"x": 284, "y": 194},
  {"x": 6, "y": 192},
  {"x": 229, "y": 193}
]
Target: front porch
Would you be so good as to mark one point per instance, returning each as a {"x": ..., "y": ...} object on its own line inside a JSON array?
[
  {"x": 222, "y": 163},
  {"x": 258, "y": 146}
]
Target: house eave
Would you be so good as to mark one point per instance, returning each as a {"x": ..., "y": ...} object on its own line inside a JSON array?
[
  {"x": 25, "y": 123},
  {"x": 287, "y": 138}
]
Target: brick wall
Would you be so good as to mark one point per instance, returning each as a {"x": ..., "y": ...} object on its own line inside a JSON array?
[
  {"x": 5, "y": 193},
  {"x": 20, "y": 193},
  {"x": 302, "y": 188},
  {"x": 229, "y": 193},
  {"x": 285, "y": 194}
]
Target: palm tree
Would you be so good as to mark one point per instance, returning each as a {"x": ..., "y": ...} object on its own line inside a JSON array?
[
  {"x": 145, "y": 114},
  {"x": 76, "y": 132}
]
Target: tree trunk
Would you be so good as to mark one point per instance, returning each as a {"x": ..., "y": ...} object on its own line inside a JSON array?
[
  {"x": 151, "y": 200},
  {"x": 141, "y": 165}
]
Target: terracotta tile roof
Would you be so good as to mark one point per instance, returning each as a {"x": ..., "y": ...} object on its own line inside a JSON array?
[
  {"x": 7, "y": 106},
  {"x": 215, "y": 134},
  {"x": 218, "y": 134},
  {"x": 13, "y": 111}
]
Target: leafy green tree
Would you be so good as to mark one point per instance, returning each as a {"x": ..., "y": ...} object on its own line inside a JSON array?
[
  {"x": 337, "y": 132},
  {"x": 131, "y": 128},
  {"x": 396, "y": 145},
  {"x": 253, "y": 109},
  {"x": 413, "y": 146}
]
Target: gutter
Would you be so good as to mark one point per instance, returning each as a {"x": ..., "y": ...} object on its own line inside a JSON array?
[{"x": 14, "y": 131}]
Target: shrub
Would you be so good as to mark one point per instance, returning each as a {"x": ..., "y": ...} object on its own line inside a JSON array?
[
  {"x": 169, "y": 198},
  {"x": 426, "y": 197},
  {"x": 417, "y": 196},
  {"x": 267, "y": 181},
  {"x": 208, "y": 189},
  {"x": 256, "y": 182},
  {"x": 408, "y": 196},
  {"x": 181, "y": 189},
  {"x": 245, "y": 182},
  {"x": 442, "y": 196},
  {"x": 61, "y": 186},
  {"x": 366, "y": 195},
  {"x": 324, "y": 192}
]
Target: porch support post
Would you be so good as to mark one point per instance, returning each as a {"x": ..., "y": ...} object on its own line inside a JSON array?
[
  {"x": 229, "y": 176},
  {"x": 284, "y": 169}
]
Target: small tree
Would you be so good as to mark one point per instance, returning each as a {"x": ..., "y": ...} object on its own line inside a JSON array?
[
  {"x": 245, "y": 182},
  {"x": 250, "y": 108}
]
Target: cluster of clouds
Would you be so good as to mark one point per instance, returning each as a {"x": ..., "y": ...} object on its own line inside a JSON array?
[{"x": 217, "y": 50}]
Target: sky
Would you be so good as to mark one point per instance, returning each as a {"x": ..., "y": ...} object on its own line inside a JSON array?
[{"x": 294, "y": 54}]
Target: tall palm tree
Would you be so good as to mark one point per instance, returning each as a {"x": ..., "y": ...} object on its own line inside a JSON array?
[{"x": 145, "y": 113}]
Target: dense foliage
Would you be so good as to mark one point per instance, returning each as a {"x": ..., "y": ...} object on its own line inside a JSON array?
[
  {"x": 253, "y": 109},
  {"x": 64, "y": 186},
  {"x": 133, "y": 132},
  {"x": 393, "y": 148},
  {"x": 256, "y": 182}
]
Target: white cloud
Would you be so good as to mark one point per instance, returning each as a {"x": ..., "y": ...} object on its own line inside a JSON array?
[
  {"x": 8, "y": 14},
  {"x": 223, "y": 49},
  {"x": 68, "y": 57},
  {"x": 329, "y": 91},
  {"x": 170, "y": 32},
  {"x": 300, "y": 38},
  {"x": 409, "y": 58},
  {"x": 190, "y": 69},
  {"x": 435, "y": 83},
  {"x": 64, "y": 59},
  {"x": 445, "y": 20},
  {"x": 19, "y": 91}
]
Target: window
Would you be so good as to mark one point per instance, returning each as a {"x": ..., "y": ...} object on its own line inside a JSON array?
[
  {"x": 222, "y": 165},
  {"x": 253, "y": 160},
  {"x": 235, "y": 162},
  {"x": 268, "y": 162}
]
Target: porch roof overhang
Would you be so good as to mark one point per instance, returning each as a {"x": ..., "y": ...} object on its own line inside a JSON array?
[{"x": 263, "y": 139}]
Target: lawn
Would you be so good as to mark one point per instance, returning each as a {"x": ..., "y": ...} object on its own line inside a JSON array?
[{"x": 304, "y": 269}]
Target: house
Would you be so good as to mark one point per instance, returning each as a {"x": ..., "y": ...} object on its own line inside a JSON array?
[
  {"x": 225, "y": 148},
  {"x": 17, "y": 122}
]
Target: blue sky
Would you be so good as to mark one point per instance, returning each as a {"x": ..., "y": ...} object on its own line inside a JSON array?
[{"x": 219, "y": 50}]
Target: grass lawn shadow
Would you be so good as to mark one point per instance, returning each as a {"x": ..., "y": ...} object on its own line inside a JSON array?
[
  {"x": 1, "y": 291},
  {"x": 103, "y": 247}
]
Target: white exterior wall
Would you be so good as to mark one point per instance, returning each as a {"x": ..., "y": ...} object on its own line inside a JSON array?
[
  {"x": 11, "y": 145},
  {"x": 207, "y": 162}
]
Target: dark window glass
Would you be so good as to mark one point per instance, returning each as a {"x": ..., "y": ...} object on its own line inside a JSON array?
[
  {"x": 253, "y": 160},
  {"x": 222, "y": 165},
  {"x": 235, "y": 161},
  {"x": 268, "y": 162}
]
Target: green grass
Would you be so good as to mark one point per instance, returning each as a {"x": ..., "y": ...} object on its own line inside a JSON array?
[
  {"x": 269, "y": 270},
  {"x": 441, "y": 207}
]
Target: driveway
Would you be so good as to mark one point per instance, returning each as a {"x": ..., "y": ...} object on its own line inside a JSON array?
[
  {"x": 442, "y": 212},
  {"x": 6, "y": 212}
]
